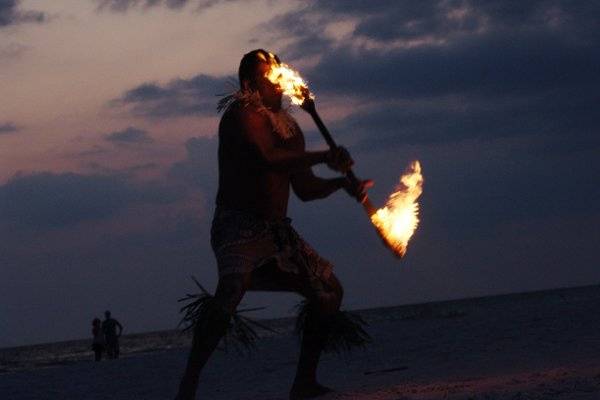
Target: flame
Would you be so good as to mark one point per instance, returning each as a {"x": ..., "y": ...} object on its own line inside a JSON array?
[
  {"x": 289, "y": 80},
  {"x": 398, "y": 220}
]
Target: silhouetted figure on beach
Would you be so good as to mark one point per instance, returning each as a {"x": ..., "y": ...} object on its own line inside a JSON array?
[
  {"x": 261, "y": 155},
  {"x": 98, "y": 343},
  {"x": 109, "y": 327}
]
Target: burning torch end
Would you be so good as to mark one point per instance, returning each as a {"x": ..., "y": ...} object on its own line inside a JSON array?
[
  {"x": 398, "y": 252},
  {"x": 309, "y": 106},
  {"x": 371, "y": 210}
]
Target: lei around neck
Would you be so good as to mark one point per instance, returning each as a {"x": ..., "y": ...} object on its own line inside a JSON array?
[{"x": 282, "y": 122}]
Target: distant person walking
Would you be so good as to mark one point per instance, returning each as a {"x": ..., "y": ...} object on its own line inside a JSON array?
[
  {"x": 98, "y": 343},
  {"x": 109, "y": 327}
]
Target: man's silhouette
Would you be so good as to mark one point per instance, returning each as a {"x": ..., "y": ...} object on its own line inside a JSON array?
[
  {"x": 261, "y": 155},
  {"x": 109, "y": 327}
]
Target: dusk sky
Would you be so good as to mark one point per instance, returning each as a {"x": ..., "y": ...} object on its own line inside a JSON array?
[{"x": 108, "y": 167}]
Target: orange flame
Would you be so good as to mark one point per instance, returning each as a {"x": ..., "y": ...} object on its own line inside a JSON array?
[
  {"x": 398, "y": 220},
  {"x": 289, "y": 80}
]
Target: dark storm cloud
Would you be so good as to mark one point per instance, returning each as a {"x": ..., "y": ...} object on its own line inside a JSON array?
[
  {"x": 511, "y": 48},
  {"x": 47, "y": 200},
  {"x": 7, "y": 128},
  {"x": 413, "y": 20},
  {"x": 448, "y": 71},
  {"x": 180, "y": 97},
  {"x": 10, "y": 14},
  {"x": 388, "y": 20},
  {"x": 490, "y": 65},
  {"x": 129, "y": 135},
  {"x": 380, "y": 20}
]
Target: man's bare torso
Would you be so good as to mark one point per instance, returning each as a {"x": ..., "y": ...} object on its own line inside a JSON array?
[{"x": 245, "y": 182}]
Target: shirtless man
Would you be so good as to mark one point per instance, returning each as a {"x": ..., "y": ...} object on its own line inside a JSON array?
[{"x": 261, "y": 155}]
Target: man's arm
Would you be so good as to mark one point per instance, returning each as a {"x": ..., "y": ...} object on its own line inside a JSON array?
[
  {"x": 256, "y": 128},
  {"x": 309, "y": 187},
  {"x": 120, "y": 327}
]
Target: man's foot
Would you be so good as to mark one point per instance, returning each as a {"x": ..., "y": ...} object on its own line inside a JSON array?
[
  {"x": 308, "y": 391},
  {"x": 182, "y": 396},
  {"x": 187, "y": 389}
]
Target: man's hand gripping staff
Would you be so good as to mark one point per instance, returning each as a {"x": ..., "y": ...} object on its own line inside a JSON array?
[
  {"x": 355, "y": 187},
  {"x": 340, "y": 159},
  {"x": 397, "y": 220}
]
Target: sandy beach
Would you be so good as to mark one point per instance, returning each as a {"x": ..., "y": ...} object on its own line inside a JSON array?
[{"x": 542, "y": 345}]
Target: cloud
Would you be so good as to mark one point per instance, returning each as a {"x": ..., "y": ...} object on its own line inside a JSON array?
[
  {"x": 129, "y": 135},
  {"x": 200, "y": 165},
  {"x": 8, "y": 128},
  {"x": 47, "y": 200},
  {"x": 409, "y": 23},
  {"x": 125, "y": 5},
  {"x": 130, "y": 171},
  {"x": 431, "y": 50},
  {"x": 11, "y": 15},
  {"x": 438, "y": 72},
  {"x": 93, "y": 151},
  {"x": 180, "y": 97},
  {"x": 93, "y": 233},
  {"x": 12, "y": 51},
  {"x": 488, "y": 65},
  {"x": 458, "y": 118}
]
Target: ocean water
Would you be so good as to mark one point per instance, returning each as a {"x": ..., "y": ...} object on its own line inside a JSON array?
[{"x": 573, "y": 304}]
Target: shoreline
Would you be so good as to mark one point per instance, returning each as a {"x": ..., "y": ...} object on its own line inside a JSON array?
[
  {"x": 434, "y": 303},
  {"x": 533, "y": 345}
]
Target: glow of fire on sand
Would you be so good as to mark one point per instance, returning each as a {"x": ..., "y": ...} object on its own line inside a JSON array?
[{"x": 397, "y": 221}]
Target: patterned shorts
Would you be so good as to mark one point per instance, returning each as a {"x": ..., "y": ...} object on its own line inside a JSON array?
[{"x": 243, "y": 242}]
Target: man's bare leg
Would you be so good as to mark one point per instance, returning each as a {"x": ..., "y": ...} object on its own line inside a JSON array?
[
  {"x": 229, "y": 293},
  {"x": 305, "y": 383},
  {"x": 270, "y": 278}
]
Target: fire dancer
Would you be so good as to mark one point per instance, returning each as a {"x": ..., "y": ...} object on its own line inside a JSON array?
[{"x": 261, "y": 155}]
